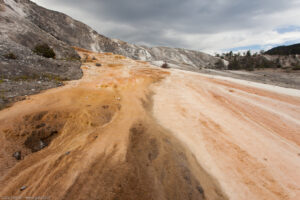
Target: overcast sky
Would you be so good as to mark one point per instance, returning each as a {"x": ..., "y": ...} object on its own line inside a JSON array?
[{"x": 205, "y": 25}]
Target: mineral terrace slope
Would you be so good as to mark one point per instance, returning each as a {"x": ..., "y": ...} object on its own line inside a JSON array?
[
  {"x": 128, "y": 130},
  {"x": 103, "y": 142},
  {"x": 246, "y": 137}
]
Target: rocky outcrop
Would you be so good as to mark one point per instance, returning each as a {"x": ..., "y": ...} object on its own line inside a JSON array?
[
  {"x": 285, "y": 56},
  {"x": 22, "y": 71},
  {"x": 285, "y": 61},
  {"x": 75, "y": 33}
]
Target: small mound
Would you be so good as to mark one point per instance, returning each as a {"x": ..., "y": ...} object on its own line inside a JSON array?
[{"x": 36, "y": 131}]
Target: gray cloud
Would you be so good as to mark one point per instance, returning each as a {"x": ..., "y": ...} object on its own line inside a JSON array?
[{"x": 176, "y": 22}]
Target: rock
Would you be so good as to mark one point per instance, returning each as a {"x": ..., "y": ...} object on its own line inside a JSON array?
[
  {"x": 200, "y": 189},
  {"x": 17, "y": 155},
  {"x": 23, "y": 188},
  {"x": 30, "y": 70},
  {"x": 105, "y": 106},
  {"x": 42, "y": 145},
  {"x": 40, "y": 125}
]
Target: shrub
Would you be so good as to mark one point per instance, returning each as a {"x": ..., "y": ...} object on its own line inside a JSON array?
[
  {"x": 10, "y": 56},
  {"x": 72, "y": 58},
  {"x": 44, "y": 50},
  {"x": 234, "y": 64},
  {"x": 220, "y": 64},
  {"x": 2, "y": 8},
  {"x": 119, "y": 57},
  {"x": 296, "y": 67},
  {"x": 165, "y": 66},
  {"x": 98, "y": 64},
  {"x": 53, "y": 77},
  {"x": 26, "y": 77},
  {"x": 251, "y": 63}
]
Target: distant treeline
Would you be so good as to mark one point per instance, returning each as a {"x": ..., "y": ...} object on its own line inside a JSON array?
[
  {"x": 248, "y": 61},
  {"x": 285, "y": 56}
]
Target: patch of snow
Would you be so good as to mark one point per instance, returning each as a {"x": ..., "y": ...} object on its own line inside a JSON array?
[
  {"x": 94, "y": 46},
  {"x": 226, "y": 63},
  {"x": 157, "y": 63},
  {"x": 148, "y": 55},
  {"x": 16, "y": 7},
  {"x": 144, "y": 55},
  {"x": 116, "y": 40},
  {"x": 186, "y": 60},
  {"x": 72, "y": 25},
  {"x": 241, "y": 72}
]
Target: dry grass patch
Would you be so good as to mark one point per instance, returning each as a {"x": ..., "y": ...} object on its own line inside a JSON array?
[
  {"x": 142, "y": 62},
  {"x": 119, "y": 57},
  {"x": 115, "y": 65},
  {"x": 108, "y": 54},
  {"x": 82, "y": 50}
]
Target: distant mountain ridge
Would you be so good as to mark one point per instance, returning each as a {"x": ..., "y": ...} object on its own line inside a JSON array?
[{"x": 285, "y": 50}]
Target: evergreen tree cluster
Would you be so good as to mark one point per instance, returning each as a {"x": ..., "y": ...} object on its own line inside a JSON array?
[{"x": 247, "y": 61}]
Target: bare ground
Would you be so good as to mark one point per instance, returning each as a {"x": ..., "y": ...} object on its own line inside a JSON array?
[
  {"x": 101, "y": 141},
  {"x": 128, "y": 130}
]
